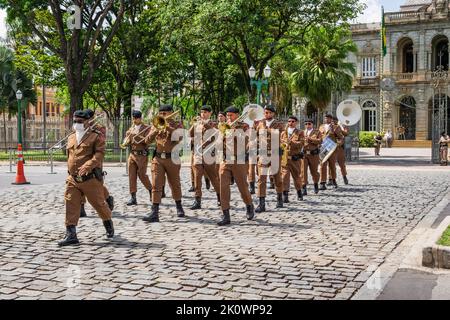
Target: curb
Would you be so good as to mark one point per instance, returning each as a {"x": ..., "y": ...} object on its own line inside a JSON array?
[
  {"x": 407, "y": 255},
  {"x": 434, "y": 255}
]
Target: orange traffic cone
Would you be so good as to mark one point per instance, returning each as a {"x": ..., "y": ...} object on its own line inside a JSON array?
[{"x": 20, "y": 177}]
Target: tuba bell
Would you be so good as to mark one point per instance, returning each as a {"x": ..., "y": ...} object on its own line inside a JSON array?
[{"x": 348, "y": 112}]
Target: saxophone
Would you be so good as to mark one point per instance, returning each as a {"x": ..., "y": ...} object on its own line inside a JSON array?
[{"x": 286, "y": 149}]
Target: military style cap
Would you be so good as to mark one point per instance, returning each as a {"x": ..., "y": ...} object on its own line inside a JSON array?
[
  {"x": 308, "y": 120},
  {"x": 329, "y": 115},
  {"x": 81, "y": 114},
  {"x": 294, "y": 118},
  {"x": 232, "y": 109},
  {"x": 206, "y": 108},
  {"x": 136, "y": 114},
  {"x": 222, "y": 113},
  {"x": 89, "y": 112},
  {"x": 270, "y": 108},
  {"x": 166, "y": 108}
]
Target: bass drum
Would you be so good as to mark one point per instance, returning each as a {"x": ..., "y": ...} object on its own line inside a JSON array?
[{"x": 326, "y": 149}]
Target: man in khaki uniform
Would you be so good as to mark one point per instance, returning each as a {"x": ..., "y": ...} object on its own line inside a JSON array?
[
  {"x": 269, "y": 125},
  {"x": 340, "y": 151},
  {"x": 311, "y": 159},
  {"x": 138, "y": 159},
  {"x": 85, "y": 152},
  {"x": 293, "y": 139},
  {"x": 234, "y": 164},
  {"x": 108, "y": 197},
  {"x": 162, "y": 164},
  {"x": 334, "y": 132},
  {"x": 197, "y": 133}
]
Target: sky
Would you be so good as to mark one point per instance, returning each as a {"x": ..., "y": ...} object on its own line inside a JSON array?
[{"x": 371, "y": 14}]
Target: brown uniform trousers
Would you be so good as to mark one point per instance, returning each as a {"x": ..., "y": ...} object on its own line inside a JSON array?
[
  {"x": 234, "y": 168},
  {"x": 293, "y": 167},
  {"x": 262, "y": 168},
  {"x": 311, "y": 160},
  {"x": 251, "y": 172},
  {"x": 340, "y": 154},
  {"x": 162, "y": 167},
  {"x": 89, "y": 153},
  {"x": 137, "y": 163},
  {"x": 199, "y": 167},
  {"x": 335, "y": 133}
]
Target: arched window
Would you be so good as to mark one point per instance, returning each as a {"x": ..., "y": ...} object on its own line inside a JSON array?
[
  {"x": 440, "y": 52},
  {"x": 406, "y": 55},
  {"x": 369, "y": 120}
]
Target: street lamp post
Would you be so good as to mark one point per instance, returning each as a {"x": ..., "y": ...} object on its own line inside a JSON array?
[
  {"x": 259, "y": 83},
  {"x": 19, "y": 96}
]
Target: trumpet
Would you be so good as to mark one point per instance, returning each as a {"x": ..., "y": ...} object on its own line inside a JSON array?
[{"x": 161, "y": 123}]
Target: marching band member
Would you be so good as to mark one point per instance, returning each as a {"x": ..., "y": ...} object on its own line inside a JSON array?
[
  {"x": 311, "y": 160},
  {"x": 162, "y": 163},
  {"x": 109, "y": 198},
  {"x": 334, "y": 132},
  {"x": 234, "y": 165},
  {"x": 199, "y": 166},
  {"x": 138, "y": 158},
  {"x": 85, "y": 153},
  {"x": 268, "y": 124},
  {"x": 292, "y": 139},
  {"x": 340, "y": 151}
]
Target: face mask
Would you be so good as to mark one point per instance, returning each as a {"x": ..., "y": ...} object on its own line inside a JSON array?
[{"x": 78, "y": 126}]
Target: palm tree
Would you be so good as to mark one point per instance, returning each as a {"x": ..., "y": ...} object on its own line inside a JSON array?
[{"x": 322, "y": 67}]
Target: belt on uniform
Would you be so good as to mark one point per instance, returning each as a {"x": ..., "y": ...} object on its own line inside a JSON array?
[
  {"x": 296, "y": 157},
  {"x": 312, "y": 152},
  {"x": 140, "y": 152},
  {"x": 84, "y": 178},
  {"x": 163, "y": 155}
]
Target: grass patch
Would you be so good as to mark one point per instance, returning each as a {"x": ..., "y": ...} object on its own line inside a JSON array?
[{"x": 445, "y": 238}]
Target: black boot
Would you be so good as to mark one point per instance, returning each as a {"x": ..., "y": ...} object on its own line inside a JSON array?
[
  {"x": 305, "y": 193},
  {"x": 163, "y": 193},
  {"x": 154, "y": 215},
  {"x": 299, "y": 195},
  {"x": 252, "y": 187},
  {"x": 345, "y": 179},
  {"x": 232, "y": 181},
  {"x": 82, "y": 211},
  {"x": 335, "y": 183},
  {"x": 207, "y": 184},
  {"x": 225, "y": 218},
  {"x": 279, "y": 200},
  {"x": 132, "y": 201},
  {"x": 218, "y": 200},
  {"x": 323, "y": 186},
  {"x": 285, "y": 196},
  {"x": 109, "y": 228},
  {"x": 330, "y": 182},
  {"x": 197, "y": 204},
  {"x": 272, "y": 185},
  {"x": 70, "y": 238},
  {"x": 180, "y": 211},
  {"x": 110, "y": 202},
  {"x": 262, "y": 205},
  {"x": 250, "y": 212},
  {"x": 316, "y": 188},
  {"x": 192, "y": 189}
]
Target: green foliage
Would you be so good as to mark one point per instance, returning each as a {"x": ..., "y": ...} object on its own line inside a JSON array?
[
  {"x": 445, "y": 238},
  {"x": 322, "y": 68},
  {"x": 366, "y": 139}
]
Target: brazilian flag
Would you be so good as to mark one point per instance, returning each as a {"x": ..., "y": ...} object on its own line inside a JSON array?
[{"x": 383, "y": 32}]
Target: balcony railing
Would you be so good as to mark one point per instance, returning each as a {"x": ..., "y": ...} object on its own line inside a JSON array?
[
  {"x": 368, "y": 81},
  {"x": 405, "y": 15},
  {"x": 410, "y": 76}
]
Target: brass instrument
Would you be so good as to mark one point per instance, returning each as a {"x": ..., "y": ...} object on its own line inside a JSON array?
[
  {"x": 161, "y": 123},
  {"x": 126, "y": 141},
  {"x": 60, "y": 145}
]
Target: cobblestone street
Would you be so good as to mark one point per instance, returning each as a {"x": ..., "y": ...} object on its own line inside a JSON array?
[{"x": 323, "y": 248}]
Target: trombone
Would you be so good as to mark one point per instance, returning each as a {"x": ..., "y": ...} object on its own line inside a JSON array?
[
  {"x": 59, "y": 145},
  {"x": 161, "y": 123}
]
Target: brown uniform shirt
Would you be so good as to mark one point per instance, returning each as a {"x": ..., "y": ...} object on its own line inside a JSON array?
[
  {"x": 202, "y": 126},
  {"x": 275, "y": 125},
  {"x": 315, "y": 139},
  {"x": 237, "y": 139},
  {"x": 88, "y": 153},
  {"x": 163, "y": 138},
  {"x": 334, "y": 132},
  {"x": 296, "y": 141},
  {"x": 138, "y": 137}
]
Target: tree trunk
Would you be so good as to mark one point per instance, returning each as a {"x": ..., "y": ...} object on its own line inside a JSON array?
[
  {"x": 4, "y": 130},
  {"x": 76, "y": 103}
]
